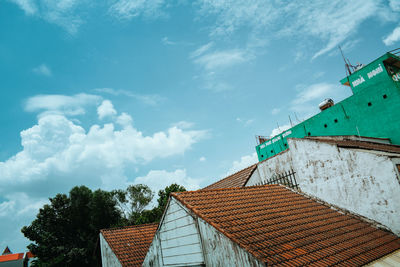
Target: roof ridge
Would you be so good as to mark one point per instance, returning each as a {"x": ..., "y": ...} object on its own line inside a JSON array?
[
  {"x": 222, "y": 189},
  {"x": 127, "y": 226},
  {"x": 229, "y": 176}
]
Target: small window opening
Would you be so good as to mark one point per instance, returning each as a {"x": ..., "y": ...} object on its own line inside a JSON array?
[
  {"x": 325, "y": 125},
  {"x": 309, "y": 134},
  {"x": 369, "y": 104},
  {"x": 335, "y": 120},
  {"x": 384, "y": 96}
]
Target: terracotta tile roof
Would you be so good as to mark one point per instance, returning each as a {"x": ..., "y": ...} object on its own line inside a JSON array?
[
  {"x": 11, "y": 257},
  {"x": 130, "y": 244},
  {"x": 360, "y": 144},
  {"x": 281, "y": 227},
  {"x": 237, "y": 179}
]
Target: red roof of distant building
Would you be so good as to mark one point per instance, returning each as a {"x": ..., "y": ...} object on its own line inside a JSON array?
[
  {"x": 11, "y": 257},
  {"x": 282, "y": 227},
  {"x": 237, "y": 179},
  {"x": 130, "y": 244}
]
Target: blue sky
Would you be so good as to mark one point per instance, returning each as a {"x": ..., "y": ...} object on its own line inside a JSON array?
[{"x": 134, "y": 91}]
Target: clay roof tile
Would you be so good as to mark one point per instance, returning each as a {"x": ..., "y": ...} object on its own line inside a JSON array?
[
  {"x": 282, "y": 227},
  {"x": 130, "y": 244}
]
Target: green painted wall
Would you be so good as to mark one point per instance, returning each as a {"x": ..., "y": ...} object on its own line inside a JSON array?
[{"x": 373, "y": 110}]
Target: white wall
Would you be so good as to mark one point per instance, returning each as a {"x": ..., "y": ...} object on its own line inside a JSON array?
[
  {"x": 273, "y": 166},
  {"x": 362, "y": 182},
  {"x": 178, "y": 237},
  {"x": 219, "y": 250},
  {"x": 108, "y": 258}
]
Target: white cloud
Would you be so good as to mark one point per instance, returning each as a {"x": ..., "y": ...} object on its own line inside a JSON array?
[
  {"x": 201, "y": 50},
  {"x": 42, "y": 69},
  {"x": 183, "y": 124},
  {"x": 275, "y": 111},
  {"x": 69, "y": 105},
  {"x": 393, "y": 37},
  {"x": 106, "y": 109},
  {"x": 332, "y": 22},
  {"x": 28, "y": 6},
  {"x": 165, "y": 40},
  {"x": 124, "y": 120},
  {"x": 222, "y": 59},
  {"x": 58, "y": 154},
  {"x": 202, "y": 159},
  {"x": 159, "y": 179},
  {"x": 307, "y": 99},
  {"x": 62, "y": 12},
  {"x": 244, "y": 121},
  {"x": 151, "y": 100},
  {"x": 280, "y": 129},
  {"x": 128, "y": 9},
  {"x": 394, "y": 5},
  {"x": 244, "y": 162}
]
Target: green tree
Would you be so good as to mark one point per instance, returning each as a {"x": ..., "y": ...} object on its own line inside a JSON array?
[
  {"x": 65, "y": 232},
  {"x": 155, "y": 214},
  {"x": 133, "y": 200},
  {"x": 163, "y": 195}
]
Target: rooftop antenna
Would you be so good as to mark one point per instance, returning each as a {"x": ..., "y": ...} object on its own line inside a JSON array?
[
  {"x": 346, "y": 63},
  {"x": 291, "y": 124}
]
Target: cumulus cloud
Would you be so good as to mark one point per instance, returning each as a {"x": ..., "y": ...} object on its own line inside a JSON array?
[
  {"x": 69, "y": 105},
  {"x": 393, "y": 37},
  {"x": 58, "y": 154},
  {"x": 244, "y": 162},
  {"x": 42, "y": 69},
  {"x": 106, "y": 109}
]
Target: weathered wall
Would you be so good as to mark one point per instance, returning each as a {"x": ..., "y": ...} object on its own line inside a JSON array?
[
  {"x": 108, "y": 257},
  {"x": 362, "y": 182},
  {"x": 273, "y": 166},
  {"x": 153, "y": 256},
  {"x": 219, "y": 250},
  {"x": 178, "y": 237}
]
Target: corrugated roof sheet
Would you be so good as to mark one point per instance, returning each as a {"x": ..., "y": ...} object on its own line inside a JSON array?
[
  {"x": 237, "y": 179},
  {"x": 130, "y": 244},
  {"x": 281, "y": 227}
]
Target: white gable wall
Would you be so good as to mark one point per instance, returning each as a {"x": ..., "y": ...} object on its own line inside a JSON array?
[
  {"x": 178, "y": 240},
  {"x": 362, "y": 182},
  {"x": 108, "y": 258}
]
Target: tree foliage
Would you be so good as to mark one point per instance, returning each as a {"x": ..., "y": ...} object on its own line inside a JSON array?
[
  {"x": 155, "y": 214},
  {"x": 65, "y": 232}
]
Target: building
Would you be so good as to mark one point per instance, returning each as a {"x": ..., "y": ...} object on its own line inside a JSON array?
[
  {"x": 373, "y": 110},
  {"x": 263, "y": 225},
  {"x": 9, "y": 259},
  {"x": 126, "y": 246},
  {"x": 359, "y": 174}
]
